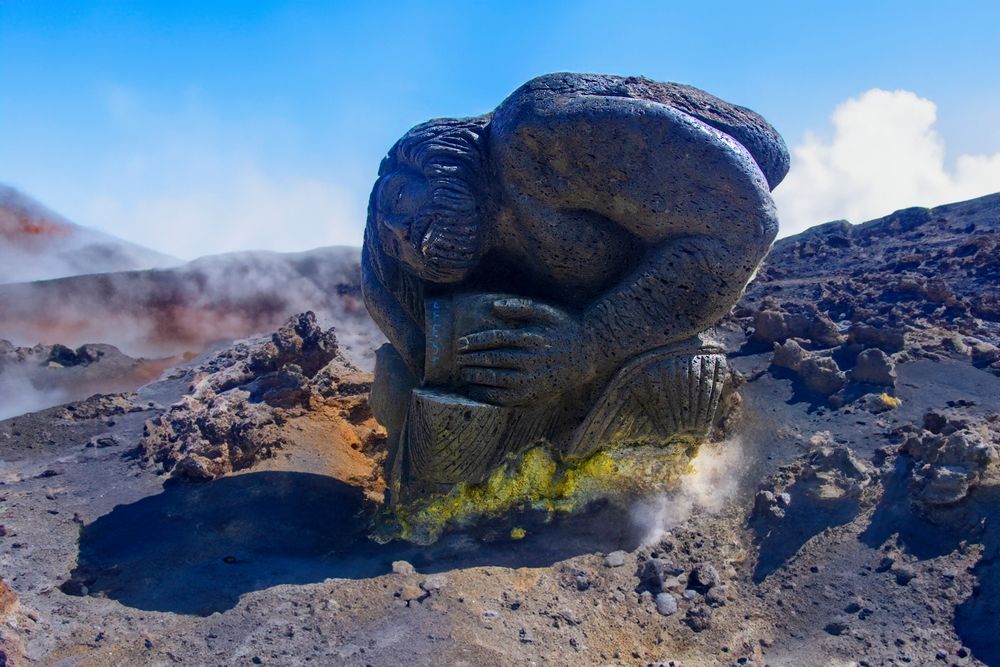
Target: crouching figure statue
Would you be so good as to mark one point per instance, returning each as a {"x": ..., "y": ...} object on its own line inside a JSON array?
[{"x": 544, "y": 272}]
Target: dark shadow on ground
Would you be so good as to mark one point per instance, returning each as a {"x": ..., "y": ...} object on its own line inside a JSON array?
[
  {"x": 196, "y": 548},
  {"x": 972, "y": 520},
  {"x": 807, "y": 515},
  {"x": 976, "y": 618},
  {"x": 800, "y": 392},
  {"x": 894, "y": 516}
]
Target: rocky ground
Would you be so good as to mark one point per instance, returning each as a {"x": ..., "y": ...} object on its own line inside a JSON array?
[
  {"x": 847, "y": 517},
  {"x": 195, "y": 306},
  {"x": 32, "y": 378}
]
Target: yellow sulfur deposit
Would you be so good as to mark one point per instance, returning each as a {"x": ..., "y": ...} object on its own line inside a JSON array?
[
  {"x": 538, "y": 482},
  {"x": 890, "y": 401}
]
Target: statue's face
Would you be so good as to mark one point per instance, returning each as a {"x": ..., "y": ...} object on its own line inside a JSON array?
[
  {"x": 402, "y": 195},
  {"x": 431, "y": 241}
]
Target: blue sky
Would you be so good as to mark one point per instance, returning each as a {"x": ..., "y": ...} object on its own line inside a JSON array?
[{"x": 214, "y": 126}]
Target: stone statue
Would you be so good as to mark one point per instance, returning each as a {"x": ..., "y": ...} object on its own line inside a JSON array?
[{"x": 544, "y": 272}]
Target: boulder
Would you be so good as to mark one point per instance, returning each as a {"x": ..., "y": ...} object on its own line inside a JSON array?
[
  {"x": 820, "y": 374},
  {"x": 874, "y": 367}
]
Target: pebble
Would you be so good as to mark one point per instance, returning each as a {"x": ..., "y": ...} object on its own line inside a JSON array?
[
  {"x": 402, "y": 567},
  {"x": 655, "y": 571},
  {"x": 690, "y": 594},
  {"x": 615, "y": 559},
  {"x": 904, "y": 574},
  {"x": 411, "y": 592},
  {"x": 704, "y": 577},
  {"x": 837, "y": 627},
  {"x": 716, "y": 596},
  {"x": 434, "y": 583},
  {"x": 698, "y": 618},
  {"x": 666, "y": 604},
  {"x": 570, "y": 617}
]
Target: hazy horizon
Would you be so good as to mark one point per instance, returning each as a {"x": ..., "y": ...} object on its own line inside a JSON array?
[{"x": 195, "y": 130}]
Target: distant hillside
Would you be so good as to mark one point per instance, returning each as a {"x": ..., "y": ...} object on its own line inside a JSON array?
[
  {"x": 919, "y": 265},
  {"x": 39, "y": 244},
  {"x": 924, "y": 279},
  {"x": 182, "y": 309}
]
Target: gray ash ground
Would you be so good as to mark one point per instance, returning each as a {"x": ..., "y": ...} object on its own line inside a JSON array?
[{"x": 861, "y": 529}]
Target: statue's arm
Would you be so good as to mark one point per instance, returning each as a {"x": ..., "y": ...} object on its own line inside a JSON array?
[
  {"x": 681, "y": 288},
  {"x": 390, "y": 315},
  {"x": 694, "y": 196}
]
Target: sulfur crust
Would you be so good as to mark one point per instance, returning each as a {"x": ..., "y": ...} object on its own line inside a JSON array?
[{"x": 537, "y": 481}]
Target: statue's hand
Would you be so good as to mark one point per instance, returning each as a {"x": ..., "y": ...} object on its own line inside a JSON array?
[{"x": 540, "y": 355}]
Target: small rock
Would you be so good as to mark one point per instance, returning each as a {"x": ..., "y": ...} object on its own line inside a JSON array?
[
  {"x": 402, "y": 567},
  {"x": 716, "y": 596},
  {"x": 904, "y": 574},
  {"x": 411, "y": 592},
  {"x": 874, "y": 367},
  {"x": 434, "y": 583},
  {"x": 525, "y": 636},
  {"x": 614, "y": 559},
  {"x": 819, "y": 373},
  {"x": 885, "y": 564},
  {"x": 570, "y": 617},
  {"x": 698, "y": 618},
  {"x": 703, "y": 577},
  {"x": 106, "y": 441},
  {"x": 653, "y": 572},
  {"x": 836, "y": 627},
  {"x": 666, "y": 604},
  {"x": 691, "y": 594}
]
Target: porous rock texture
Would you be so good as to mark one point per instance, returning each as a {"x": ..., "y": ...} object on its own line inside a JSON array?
[{"x": 240, "y": 399}]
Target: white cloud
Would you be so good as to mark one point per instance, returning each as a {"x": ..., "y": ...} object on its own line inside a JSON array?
[
  {"x": 885, "y": 154},
  {"x": 180, "y": 180},
  {"x": 240, "y": 208}
]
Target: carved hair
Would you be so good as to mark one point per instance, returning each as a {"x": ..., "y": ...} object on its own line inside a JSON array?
[
  {"x": 448, "y": 151},
  {"x": 450, "y": 154}
]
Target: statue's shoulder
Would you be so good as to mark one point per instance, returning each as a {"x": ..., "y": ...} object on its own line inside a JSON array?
[{"x": 551, "y": 91}]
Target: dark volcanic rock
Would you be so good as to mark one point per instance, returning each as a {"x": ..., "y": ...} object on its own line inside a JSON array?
[
  {"x": 915, "y": 281},
  {"x": 654, "y": 572},
  {"x": 819, "y": 373},
  {"x": 952, "y": 455},
  {"x": 874, "y": 367},
  {"x": 239, "y": 399},
  {"x": 774, "y": 325}
]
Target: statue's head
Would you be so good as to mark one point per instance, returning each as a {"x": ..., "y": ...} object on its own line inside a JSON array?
[{"x": 426, "y": 205}]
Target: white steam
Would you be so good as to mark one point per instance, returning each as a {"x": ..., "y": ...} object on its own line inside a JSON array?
[
  {"x": 213, "y": 299},
  {"x": 39, "y": 244},
  {"x": 885, "y": 154},
  {"x": 19, "y": 396},
  {"x": 714, "y": 481}
]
